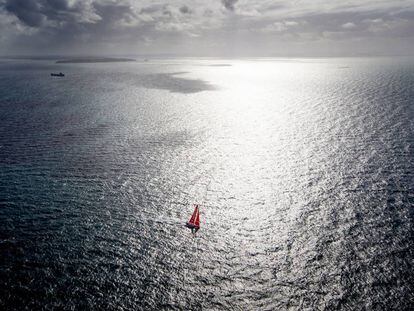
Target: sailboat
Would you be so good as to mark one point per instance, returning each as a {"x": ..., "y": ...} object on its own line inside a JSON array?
[{"x": 194, "y": 222}]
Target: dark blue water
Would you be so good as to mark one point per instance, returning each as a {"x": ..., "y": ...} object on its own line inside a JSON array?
[{"x": 304, "y": 170}]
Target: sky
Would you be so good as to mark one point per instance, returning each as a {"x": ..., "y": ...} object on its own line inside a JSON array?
[{"x": 229, "y": 28}]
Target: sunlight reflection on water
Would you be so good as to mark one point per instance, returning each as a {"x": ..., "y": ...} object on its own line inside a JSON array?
[{"x": 303, "y": 169}]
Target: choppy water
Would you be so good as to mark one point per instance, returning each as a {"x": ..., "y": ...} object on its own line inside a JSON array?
[{"x": 304, "y": 169}]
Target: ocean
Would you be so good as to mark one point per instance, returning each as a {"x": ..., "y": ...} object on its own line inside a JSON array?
[{"x": 303, "y": 169}]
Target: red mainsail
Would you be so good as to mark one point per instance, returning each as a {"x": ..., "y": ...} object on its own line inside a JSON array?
[{"x": 197, "y": 220}]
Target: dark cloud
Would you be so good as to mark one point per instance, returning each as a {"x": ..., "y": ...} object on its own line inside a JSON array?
[
  {"x": 110, "y": 13},
  {"x": 27, "y": 11},
  {"x": 185, "y": 10},
  {"x": 68, "y": 18},
  {"x": 35, "y": 13},
  {"x": 58, "y": 4},
  {"x": 229, "y": 4},
  {"x": 63, "y": 25},
  {"x": 167, "y": 12}
]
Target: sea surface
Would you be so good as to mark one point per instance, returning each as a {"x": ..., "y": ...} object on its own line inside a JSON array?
[{"x": 303, "y": 168}]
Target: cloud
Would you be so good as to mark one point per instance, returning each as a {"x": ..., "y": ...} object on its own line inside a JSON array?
[
  {"x": 185, "y": 10},
  {"x": 113, "y": 14},
  {"x": 27, "y": 11},
  {"x": 87, "y": 26},
  {"x": 37, "y": 13},
  {"x": 229, "y": 4},
  {"x": 348, "y": 25},
  {"x": 280, "y": 26},
  {"x": 58, "y": 4}
]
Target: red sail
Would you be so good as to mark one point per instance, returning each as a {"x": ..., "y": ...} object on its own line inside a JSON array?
[
  {"x": 194, "y": 216},
  {"x": 197, "y": 220}
]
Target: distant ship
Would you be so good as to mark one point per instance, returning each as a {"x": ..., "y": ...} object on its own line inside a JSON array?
[{"x": 60, "y": 74}]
